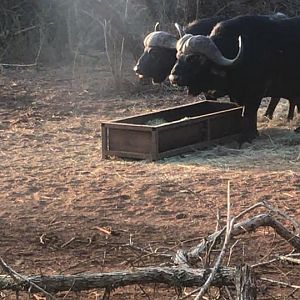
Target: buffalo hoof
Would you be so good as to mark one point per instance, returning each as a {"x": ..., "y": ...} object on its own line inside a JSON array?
[
  {"x": 297, "y": 130},
  {"x": 247, "y": 138}
]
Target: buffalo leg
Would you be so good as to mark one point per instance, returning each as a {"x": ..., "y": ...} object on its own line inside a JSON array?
[
  {"x": 271, "y": 107},
  {"x": 249, "y": 130},
  {"x": 291, "y": 110},
  {"x": 294, "y": 103}
]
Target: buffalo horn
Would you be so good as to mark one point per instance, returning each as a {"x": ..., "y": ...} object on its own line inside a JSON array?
[
  {"x": 204, "y": 45},
  {"x": 180, "y": 30},
  {"x": 157, "y": 26}
]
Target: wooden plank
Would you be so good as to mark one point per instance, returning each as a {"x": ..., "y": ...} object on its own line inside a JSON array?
[
  {"x": 103, "y": 141},
  {"x": 184, "y": 135},
  {"x": 125, "y": 154},
  {"x": 126, "y": 140},
  {"x": 193, "y": 120},
  {"x": 122, "y": 126},
  {"x": 154, "y": 146}
]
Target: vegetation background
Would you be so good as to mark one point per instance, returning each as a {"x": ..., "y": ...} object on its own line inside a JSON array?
[{"x": 105, "y": 32}]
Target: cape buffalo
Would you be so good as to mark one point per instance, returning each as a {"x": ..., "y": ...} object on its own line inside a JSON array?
[
  {"x": 159, "y": 57},
  {"x": 250, "y": 57}
]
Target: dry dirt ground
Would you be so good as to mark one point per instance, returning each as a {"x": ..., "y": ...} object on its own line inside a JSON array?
[{"x": 55, "y": 191}]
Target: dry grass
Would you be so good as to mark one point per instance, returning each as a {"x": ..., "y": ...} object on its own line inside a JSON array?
[
  {"x": 54, "y": 184},
  {"x": 277, "y": 147}
]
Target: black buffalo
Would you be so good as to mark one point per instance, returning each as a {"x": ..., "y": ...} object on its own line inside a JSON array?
[
  {"x": 159, "y": 57},
  {"x": 250, "y": 57}
]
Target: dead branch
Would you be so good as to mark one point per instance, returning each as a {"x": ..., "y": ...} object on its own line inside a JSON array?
[
  {"x": 172, "y": 276},
  {"x": 282, "y": 214},
  {"x": 246, "y": 226},
  {"x": 281, "y": 283}
]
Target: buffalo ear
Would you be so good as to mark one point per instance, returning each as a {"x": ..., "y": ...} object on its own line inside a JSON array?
[
  {"x": 180, "y": 30},
  {"x": 217, "y": 72},
  {"x": 157, "y": 26}
]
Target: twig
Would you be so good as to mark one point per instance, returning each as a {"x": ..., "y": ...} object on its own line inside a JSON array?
[
  {"x": 68, "y": 242},
  {"x": 264, "y": 263},
  {"x": 240, "y": 215},
  {"x": 230, "y": 252},
  {"x": 280, "y": 283},
  {"x": 229, "y": 226},
  {"x": 42, "y": 239},
  {"x": 218, "y": 220},
  {"x": 30, "y": 28},
  {"x": 289, "y": 259},
  {"x": 207, "y": 259},
  {"x": 144, "y": 292}
]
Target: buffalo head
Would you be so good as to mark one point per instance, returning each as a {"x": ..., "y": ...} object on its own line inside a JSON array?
[
  {"x": 200, "y": 64},
  {"x": 159, "y": 56}
]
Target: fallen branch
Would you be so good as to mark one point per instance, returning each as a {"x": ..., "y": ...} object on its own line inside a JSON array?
[
  {"x": 172, "y": 276},
  {"x": 250, "y": 225},
  {"x": 282, "y": 214}
]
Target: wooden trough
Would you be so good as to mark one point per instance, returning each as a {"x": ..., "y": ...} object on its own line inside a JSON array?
[{"x": 171, "y": 131}]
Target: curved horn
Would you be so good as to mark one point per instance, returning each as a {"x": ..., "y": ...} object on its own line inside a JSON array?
[
  {"x": 181, "y": 44},
  {"x": 204, "y": 45},
  {"x": 180, "y": 30},
  {"x": 157, "y": 27}
]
